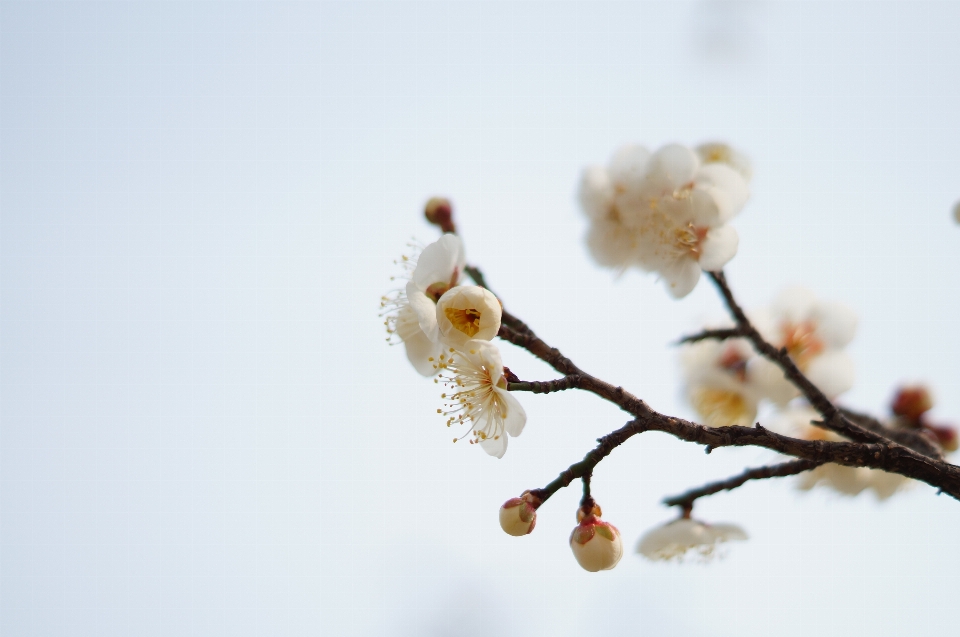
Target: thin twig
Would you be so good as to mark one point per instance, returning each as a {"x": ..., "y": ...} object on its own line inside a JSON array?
[
  {"x": 717, "y": 334},
  {"x": 791, "y": 468}
]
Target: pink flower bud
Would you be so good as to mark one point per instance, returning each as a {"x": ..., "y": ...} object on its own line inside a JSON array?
[
  {"x": 439, "y": 212},
  {"x": 912, "y": 402},
  {"x": 518, "y": 516},
  {"x": 596, "y": 544},
  {"x": 946, "y": 436}
]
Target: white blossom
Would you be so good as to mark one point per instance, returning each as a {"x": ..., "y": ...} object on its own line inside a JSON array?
[
  {"x": 814, "y": 332},
  {"x": 719, "y": 383},
  {"x": 663, "y": 213},
  {"x": 467, "y": 312},
  {"x": 674, "y": 539},
  {"x": 478, "y": 396},
  {"x": 596, "y": 544},
  {"x": 718, "y": 152},
  {"x": 410, "y": 313}
]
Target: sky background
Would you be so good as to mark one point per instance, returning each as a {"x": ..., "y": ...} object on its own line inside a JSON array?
[{"x": 202, "y": 431}]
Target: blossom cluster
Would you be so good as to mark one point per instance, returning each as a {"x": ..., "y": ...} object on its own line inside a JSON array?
[
  {"x": 446, "y": 329},
  {"x": 667, "y": 211}
]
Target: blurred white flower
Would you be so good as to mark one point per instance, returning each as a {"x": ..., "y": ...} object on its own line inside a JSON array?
[
  {"x": 814, "y": 332},
  {"x": 410, "y": 313},
  {"x": 719, "y": 383},
  {"x": 467, "y": 312},
  {"x": 664, "y": 213},
  {"x": 477, "y": 391},
  {"x": 795, "y": 421},
  {"x": 956, "y": 212},
  {"x": 720, "y": 153},
  {"x": 596, "y": 544},
  {"x": 674, "y": 539}
]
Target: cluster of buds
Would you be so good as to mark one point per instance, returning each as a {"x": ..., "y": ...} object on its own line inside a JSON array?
[{"x": 910, "y": 406}]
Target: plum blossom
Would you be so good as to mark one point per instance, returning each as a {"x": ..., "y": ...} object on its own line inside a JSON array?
[
  {"x": 467, "y": 312},
  {"x": 410, "y": 313},
  {"x": 664, "y": 212},
  {"x": 674, "y": 539},
  {"x": 478, "y": 396},
  {"x": 719, "y": 382},
  {"x": 596, "y": 544},
  {"x": 814, "y": 332}
]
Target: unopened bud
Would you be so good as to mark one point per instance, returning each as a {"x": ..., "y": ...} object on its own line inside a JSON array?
[
  {"x": 912, "y": 402},
  {"x": 596, "y": 544},
  {"x": 439, "y": 212},
  {"x": 518, "y": 516},
  {"x": 946, "y": 436}
]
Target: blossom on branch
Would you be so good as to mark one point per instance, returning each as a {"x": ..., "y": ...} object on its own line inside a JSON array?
[
  {"x": 478, "y": 396},
  {"x": 674, "y": 539},
  {"x": 518, "y": 516},
  {"x": 719, "y": 382},
  {"x": 664, "y": 212},
  {"x": 410, "y": 313},
  {"x": 467, "y": 312}
]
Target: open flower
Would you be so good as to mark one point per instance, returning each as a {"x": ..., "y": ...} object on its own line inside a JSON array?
[
  {"x": 596, "y": 544},
  {"x": 465, "y": 313},
  {"x": 814, "y": 332},
  {"x": 719, "y": 383},
  {"x": 410, "y": 313},
  {"x": 664, "y": 213},
  {"x": 674, "y": 539},
  {"x": 478, "y": 396}
]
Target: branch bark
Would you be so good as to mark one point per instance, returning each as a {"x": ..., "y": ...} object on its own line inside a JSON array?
[{"x": 791, "y": 468}]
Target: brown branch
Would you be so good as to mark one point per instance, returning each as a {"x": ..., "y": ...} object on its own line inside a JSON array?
[
  {"x": 914, "y": 439},
  {"x": 717, "y": 334},
  {"x": 791, "y": 468},
  {"x": 880, "y": 453}
]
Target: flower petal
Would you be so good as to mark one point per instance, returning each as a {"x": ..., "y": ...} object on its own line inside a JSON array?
[
  {"x": 670, "y": 168},
  {"x": 420, "y": 351},
  {"x": 596, "y": 192},
  {"x": 718, "y": 247},
  {"x": 628, "y": 166},
  {"x": 833, "y": 372},
  {"x": 836, "y": 323},
  {"x": 516, "y": 417},
  {"x": 611, "y": 245},
  {"x": 425, "y": 309},
  {"x": 681, "y": 276},
  {"x": 495, "y": 446},
  {"x": 440, "y": 262},
  {"x": 726, "y": 186}
]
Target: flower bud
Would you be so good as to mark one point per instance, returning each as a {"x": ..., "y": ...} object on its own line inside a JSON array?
[
  {"x": 468, "y": 312},
  {"x": 946, "y": 436},
  {"x": 596, "y": 544},
  {"x": 439, "y": 212},
  {"x": 912, "y": 402},
  {"x": 518, "y": 516}
]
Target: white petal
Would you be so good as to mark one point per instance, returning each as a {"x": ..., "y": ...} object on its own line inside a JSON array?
[
  {"x": 464, "y": 297},
  {"x": 611, "y": 245},
  {"x": 670, "y": 168},
  {"x": 516, "y": 417},
  {"x": 770, "y": 382},
  {"x": 794, "y": 304},
  {"x": 718, "y": 247},
  {"x": 681, "y": 277},
  {"x": 886, "y": 484},
  {"x": 628, "y": 166},
  {"x": 716, "y": 152},
  {"x": 596, "y": 192},
  {"x": 420, "y": 350},
  {"x": 673, "y": 539},
  {"x": 836, "y": 323},
  {"x": 425, "y": 309},
  {"x": 832, "y": 372},
  {"x": 440, "y": 262},
  {"x": 725, "y": 532},
  {"x": 495, "y": 446},
  {"x": 726, "y": 186}
]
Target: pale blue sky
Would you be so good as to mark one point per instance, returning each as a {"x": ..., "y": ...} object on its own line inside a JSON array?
[{"x": 201, "y": 429}]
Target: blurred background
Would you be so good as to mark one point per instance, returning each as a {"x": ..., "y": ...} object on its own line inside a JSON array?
[{"x": 202, "y": 431}]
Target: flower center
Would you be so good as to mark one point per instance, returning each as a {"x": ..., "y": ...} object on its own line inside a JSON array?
[
  {"x": 722, "y": 408},
  {"x": 466, "y": 321},
  {"x": 734, "y": 363},
  {"x": 802, "y": 343},
  {"x": 688, "y": 239}
]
